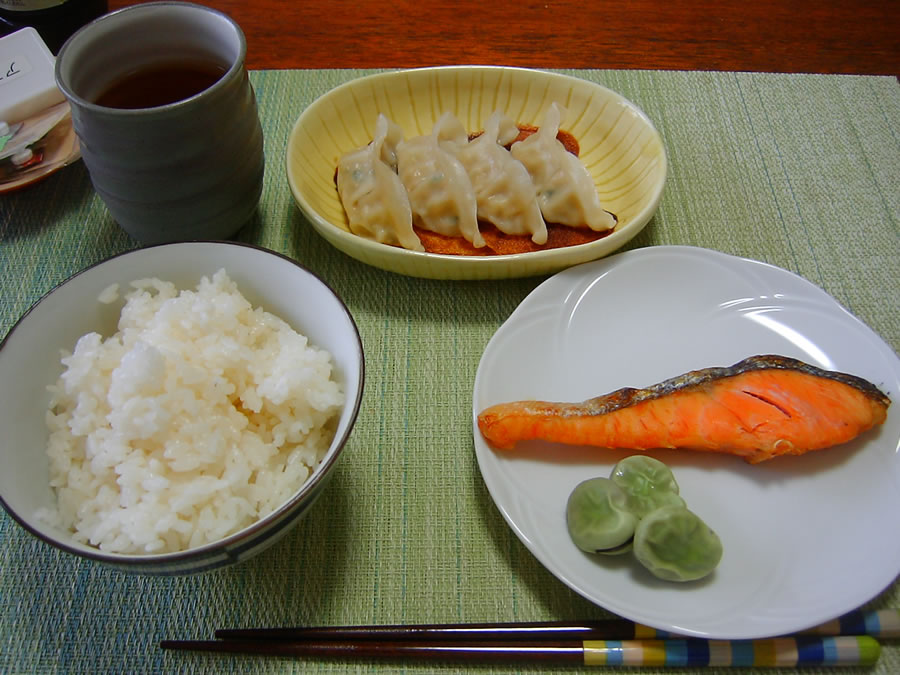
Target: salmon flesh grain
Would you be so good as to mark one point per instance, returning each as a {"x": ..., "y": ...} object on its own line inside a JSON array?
[{"x": 759, "y": 408}]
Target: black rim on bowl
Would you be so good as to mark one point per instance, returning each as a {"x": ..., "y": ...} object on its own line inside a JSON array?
[{"x": 230, "y": 549}]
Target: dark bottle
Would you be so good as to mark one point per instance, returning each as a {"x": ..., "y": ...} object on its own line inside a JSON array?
[{"x": 55, "y": 20}]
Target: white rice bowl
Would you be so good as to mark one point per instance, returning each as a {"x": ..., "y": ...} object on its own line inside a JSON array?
[{"x": 199, "y": 416}]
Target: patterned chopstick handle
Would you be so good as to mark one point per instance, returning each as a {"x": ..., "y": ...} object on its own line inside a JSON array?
[
  {"x": 882, "y": 623},
  {"x": 860, "y": 650}
]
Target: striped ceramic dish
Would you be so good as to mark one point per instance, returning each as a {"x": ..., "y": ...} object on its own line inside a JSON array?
[{"x": 619, "y": 145}]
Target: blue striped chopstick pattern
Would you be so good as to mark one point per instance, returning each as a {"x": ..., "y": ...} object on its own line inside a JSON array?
[{"x": 775, "y": 652}]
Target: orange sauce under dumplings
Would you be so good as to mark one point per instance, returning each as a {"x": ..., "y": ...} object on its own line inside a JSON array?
[{"x": 500, "y": 243}]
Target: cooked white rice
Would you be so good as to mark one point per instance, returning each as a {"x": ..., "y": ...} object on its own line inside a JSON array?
[{"x": 198, "y": 417}]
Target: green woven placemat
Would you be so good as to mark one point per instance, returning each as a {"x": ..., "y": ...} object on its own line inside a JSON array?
[{"x": 800, "y": 171}]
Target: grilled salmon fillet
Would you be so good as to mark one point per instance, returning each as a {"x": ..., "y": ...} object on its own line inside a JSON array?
[{"x": 757, "y": 409}]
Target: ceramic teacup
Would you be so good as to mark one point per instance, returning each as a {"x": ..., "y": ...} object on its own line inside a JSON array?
[{"x": 167, "y": 119}]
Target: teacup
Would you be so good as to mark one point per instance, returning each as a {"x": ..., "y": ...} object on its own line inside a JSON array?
[{"x": 167, "y": 119}]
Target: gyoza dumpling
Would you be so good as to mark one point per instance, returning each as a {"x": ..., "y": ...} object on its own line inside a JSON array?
[
  {"x": 374, "y": 198},
  {"x": 393, "y": 137},
  {"x": 504, "y": 192},
  {"x": 439, "y": 189},
  {"x": 566, "y": 192}
]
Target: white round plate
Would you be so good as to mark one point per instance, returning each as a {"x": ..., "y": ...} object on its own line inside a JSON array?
[{"x": 805, "y": 538}]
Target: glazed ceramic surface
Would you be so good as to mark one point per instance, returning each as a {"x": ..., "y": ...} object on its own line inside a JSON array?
[
  {"x": 30, "y": 361},
  {"x": 618, "y": 143},
  {"x": 797, "y": 531},
  {"x": 192, "y": 169}
]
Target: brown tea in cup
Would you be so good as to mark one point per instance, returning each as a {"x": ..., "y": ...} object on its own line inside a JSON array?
[
  {"x": 167, "y": 119},
  {"x": 161, "y": 84}
]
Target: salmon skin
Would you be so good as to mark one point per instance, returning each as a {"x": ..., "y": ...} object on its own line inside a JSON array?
[{"x": 759, "y": 408}]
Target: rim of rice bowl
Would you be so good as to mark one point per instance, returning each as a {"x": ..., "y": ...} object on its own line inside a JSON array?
[{"x": 255, "y": 281}]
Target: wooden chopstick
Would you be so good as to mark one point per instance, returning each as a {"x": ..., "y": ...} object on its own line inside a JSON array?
[
  {"x": 846, "y": 641},
  {"x": 550, "y": 630},
  {"x": 879, "y": 624},
  {"x": 861, "y": 650}
]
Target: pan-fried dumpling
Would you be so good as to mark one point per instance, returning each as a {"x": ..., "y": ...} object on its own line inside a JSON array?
[
  {"x": 504, "y": 192},
  {"x": 393, "y": 137},
  {"x": 440, "y": 192},
  {"x": 374, "y": 198},
  {"x": 566, "y": 192}
]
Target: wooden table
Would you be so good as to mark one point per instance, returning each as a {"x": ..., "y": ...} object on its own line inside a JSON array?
[{"x": 819, "y": 36}]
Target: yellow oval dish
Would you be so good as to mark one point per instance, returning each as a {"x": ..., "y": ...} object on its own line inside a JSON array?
[{"x": 618, "y": 143}]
